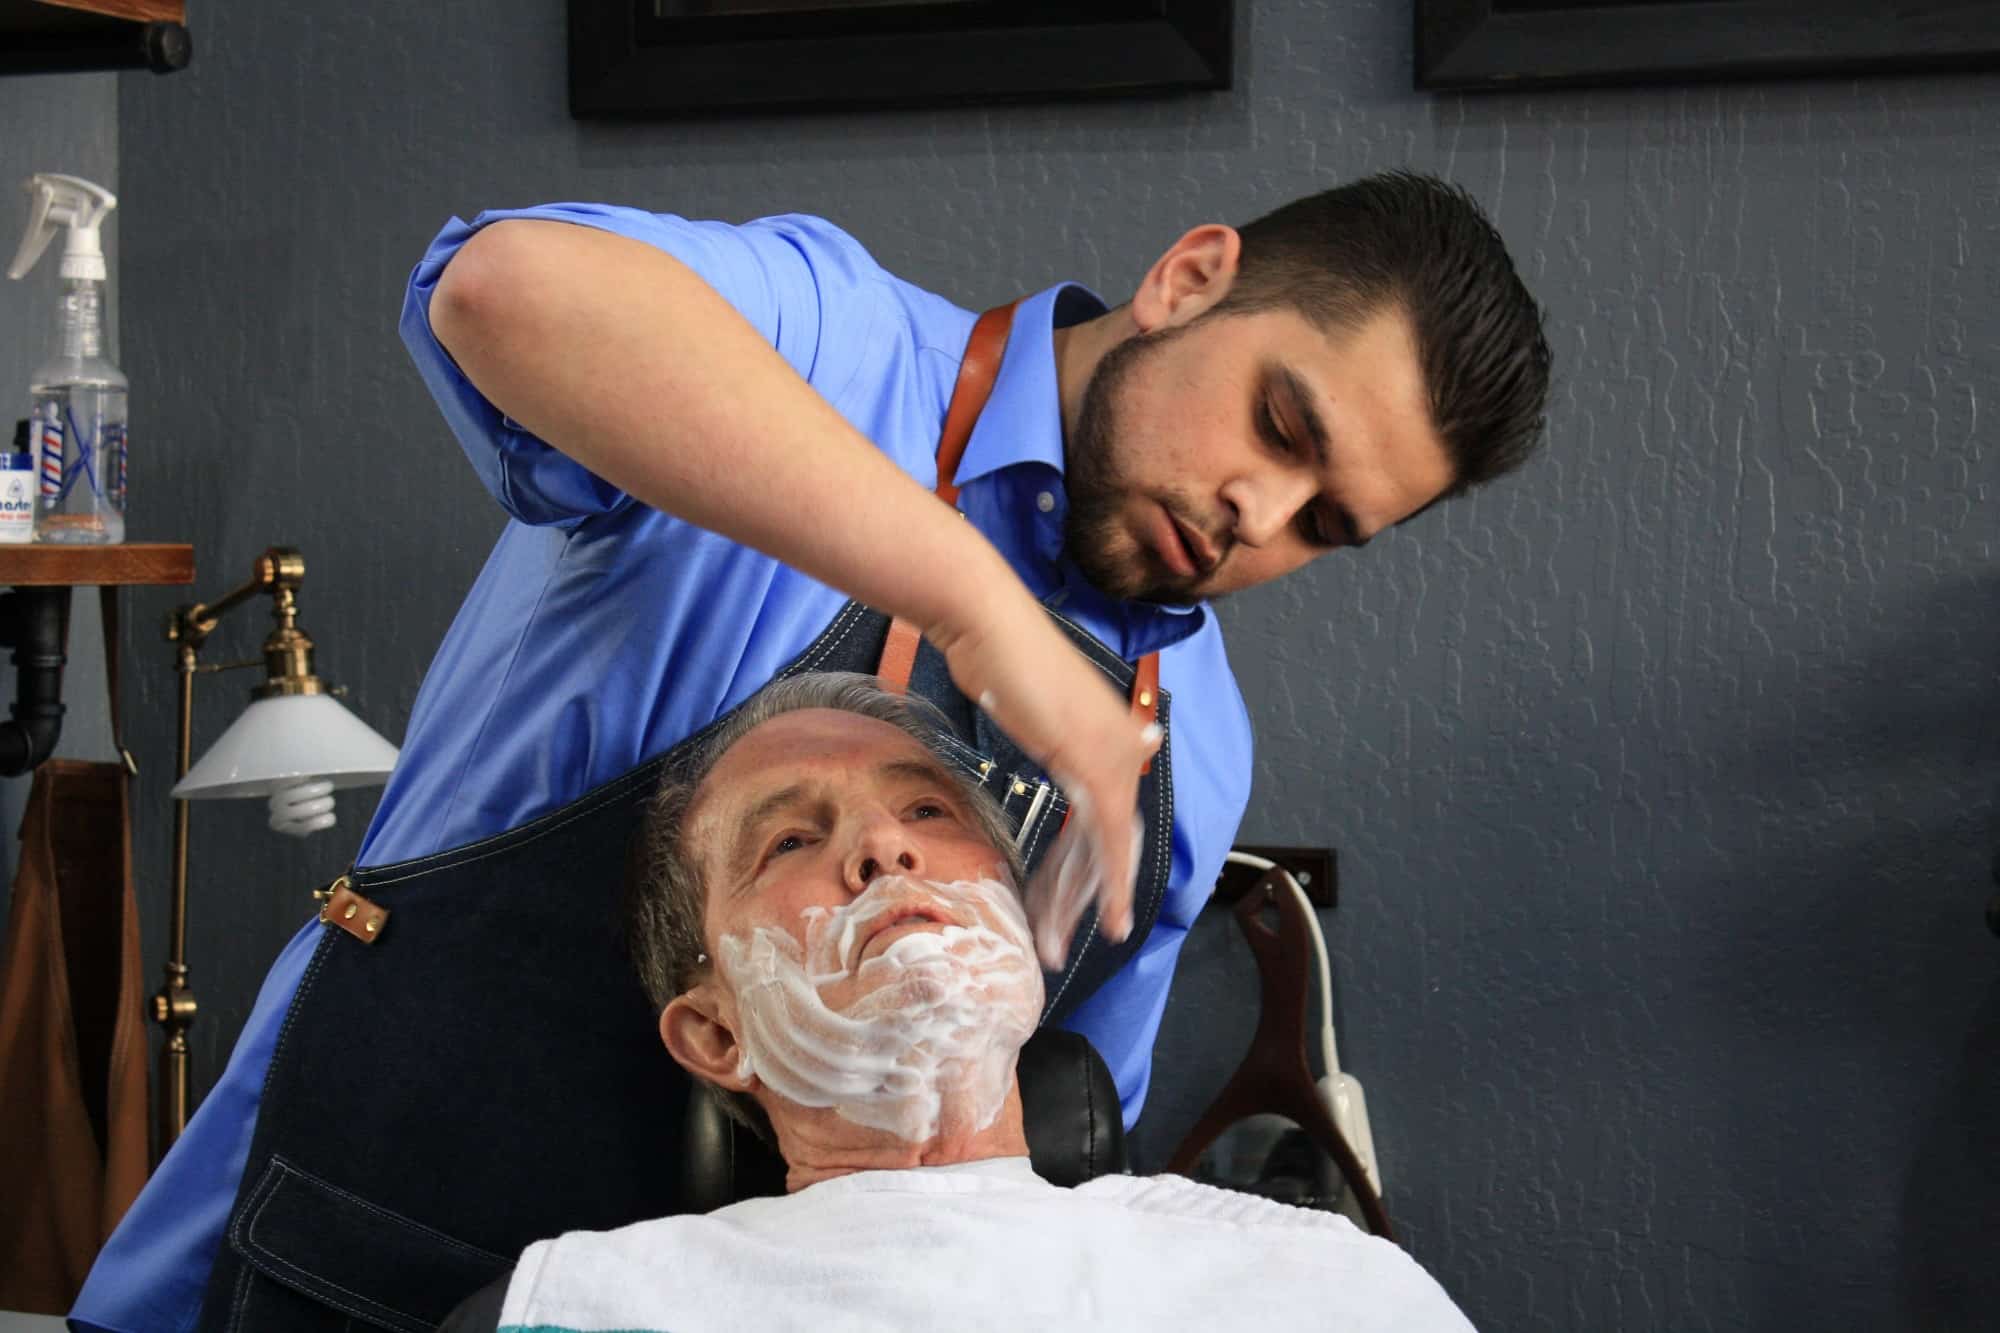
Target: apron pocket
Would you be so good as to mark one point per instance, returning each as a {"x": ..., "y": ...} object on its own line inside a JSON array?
[{"x": 345, "y": 1252}]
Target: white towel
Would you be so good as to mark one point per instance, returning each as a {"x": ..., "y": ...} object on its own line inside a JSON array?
[{"x": 983, "y": 1245}]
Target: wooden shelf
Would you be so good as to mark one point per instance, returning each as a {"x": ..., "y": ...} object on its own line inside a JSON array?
[
  {"x": 38, "y": 564},
  {"x": 138, "y": 11}
]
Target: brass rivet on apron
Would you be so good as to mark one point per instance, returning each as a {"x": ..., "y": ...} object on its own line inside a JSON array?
[
  {"x": 373, "y": 922},
  {"x": 348, "y": 915},
  {"x": 1145, "y": 698},
  {"x": 1020, "y": 789},
  {"x": 985, "y": 767}
]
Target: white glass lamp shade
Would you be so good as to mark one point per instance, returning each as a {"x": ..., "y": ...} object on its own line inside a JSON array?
[{"x": 281, "y": 742}]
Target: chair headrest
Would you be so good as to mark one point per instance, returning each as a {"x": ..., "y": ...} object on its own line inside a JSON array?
[{"x": 1075, "y": 1128}]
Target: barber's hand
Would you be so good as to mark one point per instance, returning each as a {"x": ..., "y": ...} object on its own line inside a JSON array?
[{"x": 1059, "y": 708}]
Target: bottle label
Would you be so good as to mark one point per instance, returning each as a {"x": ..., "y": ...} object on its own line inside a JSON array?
[{"x": 17, "y": 506}]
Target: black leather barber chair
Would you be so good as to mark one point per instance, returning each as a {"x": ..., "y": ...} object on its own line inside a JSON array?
[{"x": 1069, "y": 1107}]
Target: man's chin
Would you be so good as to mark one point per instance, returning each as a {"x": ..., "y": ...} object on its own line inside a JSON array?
[
  {"x": 1174, "y": 595},
  {"x": 1133, "y": 583},
  {"x": 1130, "y": 577}
]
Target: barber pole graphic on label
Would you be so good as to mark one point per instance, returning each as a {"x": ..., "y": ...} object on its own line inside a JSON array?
[{"x": 52, "y": 451}]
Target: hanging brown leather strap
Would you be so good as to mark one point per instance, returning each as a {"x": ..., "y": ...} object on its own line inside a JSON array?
[
  {"x": 72, "y": 1040},
  {"x": 976, "y": 373}
]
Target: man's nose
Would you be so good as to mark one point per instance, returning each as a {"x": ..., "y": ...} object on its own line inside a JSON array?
[
  {"x": 883, "y": 846},
  {"x": 1267, "y": 503}
]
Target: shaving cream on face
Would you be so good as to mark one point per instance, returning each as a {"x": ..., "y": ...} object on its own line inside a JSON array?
[{"x": 916, "y": 1035}]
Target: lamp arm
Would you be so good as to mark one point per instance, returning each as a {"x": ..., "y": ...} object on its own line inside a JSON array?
[
  {"x": 211, "y": 668},
  {"x": 278, "y": 567}
]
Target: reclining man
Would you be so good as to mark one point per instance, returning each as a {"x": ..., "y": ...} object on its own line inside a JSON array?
[{"x": 827, "y": 919}]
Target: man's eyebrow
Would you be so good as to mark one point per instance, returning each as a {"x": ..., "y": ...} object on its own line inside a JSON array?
[
  {"x": 746, "y": 828},
  {"x": 921, "y": 770},
  {"x": 742, "y": 843},
  {"x": 1295, "y": 388},
  {"x": 1301, "y": 398}
]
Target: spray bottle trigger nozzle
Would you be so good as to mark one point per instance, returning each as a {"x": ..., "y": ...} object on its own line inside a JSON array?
[
  {"x": 65, "y": 201},
  {"x": 36, "y": 238}
]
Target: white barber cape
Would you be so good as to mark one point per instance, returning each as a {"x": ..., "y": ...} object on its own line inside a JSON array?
[{"x": 982, "y": 1245}]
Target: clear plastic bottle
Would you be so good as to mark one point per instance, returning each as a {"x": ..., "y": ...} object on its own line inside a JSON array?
[
  {"x": 78, "y": 396},
  {"x": 78, "y": 411}
]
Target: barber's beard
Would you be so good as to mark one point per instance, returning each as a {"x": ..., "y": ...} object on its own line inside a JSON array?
[
  {"x": 1096, "y": 531},
  {"x": 918, "y": 1040}
]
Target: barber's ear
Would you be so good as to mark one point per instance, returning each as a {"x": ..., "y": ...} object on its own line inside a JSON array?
[
  {"x": 701, "y": 1040},
  {"x": 1189, "y": 280}
]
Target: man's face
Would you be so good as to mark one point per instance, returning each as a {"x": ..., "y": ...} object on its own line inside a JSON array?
[
  {"x": 1216, "y": 455},
  {"x": 871, "y": 954},
  {"x": 805, "y": 811}
]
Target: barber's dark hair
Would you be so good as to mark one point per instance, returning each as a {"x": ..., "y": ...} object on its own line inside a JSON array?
[
  {"x": 665, "y": 896},
  {"x": 1401, "y": 239}
]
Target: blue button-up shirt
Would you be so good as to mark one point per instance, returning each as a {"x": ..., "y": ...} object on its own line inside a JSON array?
[{"x": 602, "y": 632}]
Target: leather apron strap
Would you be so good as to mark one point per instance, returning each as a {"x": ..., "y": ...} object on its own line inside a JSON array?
[{"x": 976, "y": 373}]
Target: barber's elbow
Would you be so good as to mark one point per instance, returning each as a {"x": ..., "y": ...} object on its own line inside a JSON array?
[{"x": 472, "y": 298}]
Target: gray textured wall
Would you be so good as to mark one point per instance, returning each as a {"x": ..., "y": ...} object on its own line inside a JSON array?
[
  {"x": 1663, "y": 776},
  {"x": 66, "y": 124}
]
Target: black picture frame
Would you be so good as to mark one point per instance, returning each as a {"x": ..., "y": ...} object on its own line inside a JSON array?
[
  {"x": 648, "y": 58},
  {"x": 1491, "y": 45}
]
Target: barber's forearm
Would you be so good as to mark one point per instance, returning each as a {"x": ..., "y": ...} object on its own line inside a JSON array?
[{"x": 623, "y": 358}]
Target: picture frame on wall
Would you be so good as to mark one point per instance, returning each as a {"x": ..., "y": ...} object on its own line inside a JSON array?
[
  {"x": 1490, "y": 45},
  {"x": 638, "y": 58}
]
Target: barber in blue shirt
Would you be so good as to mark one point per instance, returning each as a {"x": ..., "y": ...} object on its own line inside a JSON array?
[{"x": 717, "y": 447}]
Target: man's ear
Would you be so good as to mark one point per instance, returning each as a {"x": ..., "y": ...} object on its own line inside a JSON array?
[
  {"x": 1189, "y": 280},
  {"x": 701, "y": 1040}
]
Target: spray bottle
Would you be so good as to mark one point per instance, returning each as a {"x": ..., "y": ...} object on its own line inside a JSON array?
[{"x": 78, "y": 413}]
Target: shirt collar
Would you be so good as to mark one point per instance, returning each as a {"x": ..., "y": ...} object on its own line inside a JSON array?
[{"x": 1022, "y": 421}]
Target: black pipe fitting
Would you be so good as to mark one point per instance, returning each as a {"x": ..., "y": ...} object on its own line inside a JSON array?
[
  {"x": 72, "y": 41},
  {"x": 34, "y": 622}
]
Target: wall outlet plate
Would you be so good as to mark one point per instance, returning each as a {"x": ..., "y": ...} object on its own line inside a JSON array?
[{"x": 1315, "y": 868}]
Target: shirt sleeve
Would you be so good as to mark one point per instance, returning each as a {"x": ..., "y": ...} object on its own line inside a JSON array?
[{"x": 804, "y": 284}]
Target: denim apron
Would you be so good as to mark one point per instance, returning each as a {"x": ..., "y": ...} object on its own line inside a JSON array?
[{"x": 469, "y": 1063}]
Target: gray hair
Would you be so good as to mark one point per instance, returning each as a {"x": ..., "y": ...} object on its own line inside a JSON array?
[{"x": 666, "y": 900}]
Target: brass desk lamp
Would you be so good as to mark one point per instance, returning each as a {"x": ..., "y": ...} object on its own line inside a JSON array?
[{"x": 295, "y": 743}]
